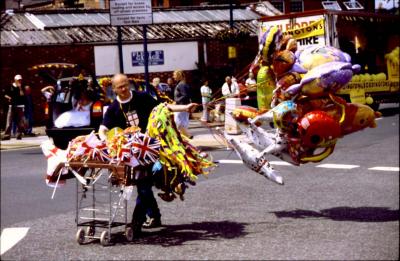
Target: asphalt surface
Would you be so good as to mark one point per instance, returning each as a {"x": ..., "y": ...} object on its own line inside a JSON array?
[{"x": 235, "y": 214}]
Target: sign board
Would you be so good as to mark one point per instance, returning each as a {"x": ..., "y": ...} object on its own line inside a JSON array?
[
  {"x": 130, "y": 12},
  {"x": 155, "y": 58},
  {"x": 107, "y": 59},
  {"x": 308, "y": 30}
]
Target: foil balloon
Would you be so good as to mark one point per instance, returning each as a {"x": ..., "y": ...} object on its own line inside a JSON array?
[
  {"x": 352, "y": 116},
  {"x": 283, "y": 61},
  {"x": 358, "y": 117},
  {"x": 268, "y": 43},
  {"x": 249, "y": 157},
  {"x": 265, "y": 87},
  {"x": 318, "y": 129},
  {"x": 325, "y": 78},
  {"x": 315, "y": 55},
  {"x": 244, "y": 112},
  {"x": 279, "y": 94},
  {"x": 283, "y": 116}
]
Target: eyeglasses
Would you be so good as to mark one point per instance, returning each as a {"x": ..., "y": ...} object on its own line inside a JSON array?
[{"x": 122, "y": 86}]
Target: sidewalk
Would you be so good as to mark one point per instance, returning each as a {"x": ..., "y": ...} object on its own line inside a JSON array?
[{"x": 209, "y": 140}]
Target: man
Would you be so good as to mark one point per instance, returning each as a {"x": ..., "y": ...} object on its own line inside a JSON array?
[
  {"x": 133, "y": 109},
  {"x": 206, "y": 92},
  {"x": 29, "y": 111},
  {"x": 182, "y": 96},
  {"x": 229, "y": 89},
  {"x": 16, "y": 97},
  {"x": 251, "y": 88}
]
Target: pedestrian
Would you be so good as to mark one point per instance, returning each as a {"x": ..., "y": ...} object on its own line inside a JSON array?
[
  {"x": 230, "y": 89},
  {"x": 251, "y": 88},
  {"x": 171, "y": 85},
  {"x": 16, "y": 97},
  {"x": 29, "y": 112},
  {"x": 48, "y": 92},
  {"x": 155, "y": 82},
  {"x": 206, "y": 92},
  {"x": 152, "y": 88},
  {"x": 132, "y": 108},
  {"x": 182, "y": 96}
]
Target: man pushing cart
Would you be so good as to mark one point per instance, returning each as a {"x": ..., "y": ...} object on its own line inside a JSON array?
[{"x": 130, "y": 157}]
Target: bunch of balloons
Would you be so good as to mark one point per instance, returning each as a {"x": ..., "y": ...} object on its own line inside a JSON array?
[{"x": 305, "y": 112}]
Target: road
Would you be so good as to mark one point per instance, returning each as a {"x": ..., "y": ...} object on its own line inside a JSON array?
[{"x": 347, "y": 211}]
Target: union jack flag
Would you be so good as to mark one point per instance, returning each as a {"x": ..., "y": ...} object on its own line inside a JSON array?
[
  {"x": 124, "y": 152},
  {"x": 145, "y": 149},
  {"x": 101, "y": 153}
]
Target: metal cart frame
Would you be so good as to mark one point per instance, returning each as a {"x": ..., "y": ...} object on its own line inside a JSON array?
[{"x": 89, "y": 183}]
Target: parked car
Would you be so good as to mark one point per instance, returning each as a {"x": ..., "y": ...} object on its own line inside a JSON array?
[{"x": 65, "y": 120}]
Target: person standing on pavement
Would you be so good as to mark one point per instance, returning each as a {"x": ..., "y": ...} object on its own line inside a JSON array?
[
  {"x": 182, "y": 96},
  {"x": 29, "y": 111},
  {"x": 229, "y": 89},
  {"x": 206, "y": 92},
  {"x": 131, "y": 108},
  {"x": 251, "y": 88},
  {"x": 170, "y": 83},
  {"x": 16, "y": 97}
]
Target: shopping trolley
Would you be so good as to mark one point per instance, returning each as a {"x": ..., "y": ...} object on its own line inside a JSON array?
[{"x": 102, "y": 191}]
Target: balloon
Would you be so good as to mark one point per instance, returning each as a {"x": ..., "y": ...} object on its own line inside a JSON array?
[
  {"x": 369, "y": 100},
  {"x": 304, "y": 115},
  {"x": 283, "y": 62},
  {"x": 328, "y": 77},
  {"x": 282, "y": 116},
  {"x": 242, "y": 113},
  {"x": 318, "y": 129},
  {"x": 265, "y": 87},
  {"x": 249, "y": 157},
  {"x": 315, "y": 55},
  {"x": 358, "y": 117},
  {"x": 268, "y": 43}
]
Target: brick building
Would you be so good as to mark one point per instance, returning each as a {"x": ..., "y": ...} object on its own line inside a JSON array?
[
  {"x": 31, "y": 38},
  {"x": 38, "y": 31}
]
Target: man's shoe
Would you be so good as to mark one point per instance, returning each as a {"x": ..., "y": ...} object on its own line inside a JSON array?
[
  {"x": 152, "y": 223},
  {"x": 19, "y": 137},
  {"x": 31, "y": 134}
]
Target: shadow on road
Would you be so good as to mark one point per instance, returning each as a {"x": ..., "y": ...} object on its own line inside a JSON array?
[
  {"x": 175, "y": 235},
  {"x": 360, "y": 214}
]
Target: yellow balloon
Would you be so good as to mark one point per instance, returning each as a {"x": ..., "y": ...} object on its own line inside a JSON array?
[{"x": 369, "y": 100}]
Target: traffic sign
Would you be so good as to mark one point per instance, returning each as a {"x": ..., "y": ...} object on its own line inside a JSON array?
[{"x": 130, "y": 12}]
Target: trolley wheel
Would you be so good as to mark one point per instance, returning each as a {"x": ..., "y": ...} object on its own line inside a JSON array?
[
  {"x": 80, "y": 236},
  {"x": 129, "y": 234},
  {"x": 104, "y": 238},
  {"x": 90, "y": 231}
]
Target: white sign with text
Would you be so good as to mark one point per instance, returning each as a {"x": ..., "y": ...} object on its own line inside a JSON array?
[
  {"x": 130, "y": 12},
  {"x": 178, "y": 55}
]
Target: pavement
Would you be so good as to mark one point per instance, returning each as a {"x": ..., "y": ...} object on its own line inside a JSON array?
[{"x": 208, "y": 140}]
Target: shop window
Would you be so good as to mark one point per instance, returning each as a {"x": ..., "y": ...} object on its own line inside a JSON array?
[
  {"x": 353, "y": 5},
  {"x": 296, "y": 6},
  {"x": 331, "y": 5},
  {"x": 280, "y": 5}
]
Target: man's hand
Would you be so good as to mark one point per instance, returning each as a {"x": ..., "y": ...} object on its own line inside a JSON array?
[{"x": 191, "y": 106}]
